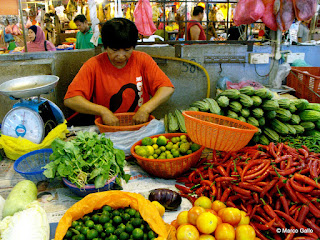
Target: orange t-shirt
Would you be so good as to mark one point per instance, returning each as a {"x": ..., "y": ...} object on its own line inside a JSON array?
[{"x": 120, "y": 90}]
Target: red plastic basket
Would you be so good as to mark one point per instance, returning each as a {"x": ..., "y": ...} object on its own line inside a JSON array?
[
  {"x": 125, "y": 123},
  {"x": 218, "y": 132},
  {"x": 168, "y": 168},
  {"x": 306, "y": 82}
]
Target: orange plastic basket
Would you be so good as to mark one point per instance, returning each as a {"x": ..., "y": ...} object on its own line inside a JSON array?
[
  {"x": 125, "y": 123},
  {"x": 168, "y": 168},
  {"x": 218, "y": 132},
  {"x": 306, "y": 82}
]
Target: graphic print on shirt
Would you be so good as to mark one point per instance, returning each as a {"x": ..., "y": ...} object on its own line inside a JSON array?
[{"x": 116, "y": 99}]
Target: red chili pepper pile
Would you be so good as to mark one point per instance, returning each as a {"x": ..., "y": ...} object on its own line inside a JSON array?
[{"x": 276, "y": 185}]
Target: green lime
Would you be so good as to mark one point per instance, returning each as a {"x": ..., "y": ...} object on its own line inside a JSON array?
[
  {"x": 121, "y": 225},
  {"x": 137, "y": 215},
  {"x": 195, "y": 147},
  {"x": 84, "y": 230},
  {"x": 142, "y": 227},
  {"x": 118, "y": 231},
  {"x": 107, "y": 208},
  {"x": 95, "y": 218},
  {"x": 103, "y": 235},
  {"x": 78, "y": 228},
  {"x": 137, "y": 233},
  {"x": 162, "y": 141},
  {"x": 92, "y": 233},
  {"x": 147, "y": 141},
  {"x": 109, "y": 230},
  {"x": 151, "y": 234},
  {"x": 74, "y": 223},
  {"x": 131, "y": 211},
  {"x": 104, "y": 218},
  {"x": 89, "y": 223},
  {"x": 69, "y": 234},
  {"x": 98, "y": 227},
  {"x": 157, "y": 151},
  {"x": 116, "y": 213},
  {"x": 86, "y": 218},
  {"x": 108, "y": 224},
  {"x": 123, "y": 236},
  {"x": 117, "y": 220},
  {"x": 80, "y": 237},
  {"x": 136, "y": 222},
  {"x": 145, "y": 236},
  {"x": 129, "y": 228},
  {"x": 113, "y": 237},
  {"x": 189, "y": 151}
]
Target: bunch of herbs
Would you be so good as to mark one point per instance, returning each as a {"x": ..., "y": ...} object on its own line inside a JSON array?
[{"x": 86, "y": 159}]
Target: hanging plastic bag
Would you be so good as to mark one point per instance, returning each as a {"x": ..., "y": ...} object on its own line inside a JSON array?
[
  {"x": 248, "y": 11},
  {"x": 284, "y": 14},
  {"x": 143, "y": 18},
  {"x": 268, "y": 17},
  {"x": 16, "y": 147},
  {"x": 117, "y": 9},
  {"x": 28, "y": 23},
  {"x": 283, "y": 71},
  {"x": 124, "y": 140},
  {"x": 116, "y": 199},
  {"x": 304, "y": 9}
]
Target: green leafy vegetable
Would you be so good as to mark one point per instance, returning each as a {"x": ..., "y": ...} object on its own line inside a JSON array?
[{"x": 88, "y": 158}]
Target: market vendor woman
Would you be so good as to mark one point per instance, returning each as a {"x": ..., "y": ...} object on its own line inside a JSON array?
[{"x": 120, "y": 79}]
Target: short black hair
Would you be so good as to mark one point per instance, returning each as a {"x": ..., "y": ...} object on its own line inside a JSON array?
[
  {"x": 82, "y": 18},
  {"x": 197, "y": 10},
  {"x": 119, "y": 33}
]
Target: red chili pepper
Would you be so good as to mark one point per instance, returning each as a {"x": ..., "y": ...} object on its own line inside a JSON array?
[
  {"x": 291, "y": 234},
  {"x": 259, "y": 234},
  {"x": 218, "y": 197},
  {"x": 290, "y": 192},
  {"x": 305, "y": 179},
  {"x": 255, "y": 197},
  {"x": 284, "y": 203},
  {"x": 263, "y": 213},
  {"x": 282, "y": 165},
  {"x": 262, "y": 184},
  {"x": 285, "y": 172},
  {"x": 249, "y": 209},
  {"x": 256, "y": 168},
  {"x": 296, "y": 214},
  {"x": 313, "y": 169},
  {"x": 293, "y": 209},
  {"x": 183, "y": 188},
  {"x": 303, "y": 214},
  {"x": 303, "y": 152},
  {"x": 300, "y": 188},
  {"x": 222, "y": 179},
  {"x": 280, "y": 184},
  {"x": 230, "y": 204},
  {"x": 314, "y": 226},
  {"x": 210, "y": 173},
  {"x": 268, "y": 187},
  {"x": 268, "y": 209},
  {"x": 258, "y": 173},
  {"x": 315, "y": 192},
  {"x": 253, "y": 212},
  {"x": 262, "y": 177},
  {"x": 313, "y": 209},
  {"x": 222, "y": 171},
  {"x": 192, "y": 176},
  {"x": 272, "y": 150},
  {"x": 249, "y": 165},
  {"x": 293, "y": 222},
  {"x": 200, "y": 190},
  {"x": 250, "y": 186},
  {"x": 225, "y": 195},
  {"x": 242, "y": 191},
  {"x": 211, "y": 186}
]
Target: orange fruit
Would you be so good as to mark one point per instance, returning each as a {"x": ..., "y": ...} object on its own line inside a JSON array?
[
  {"x": 217, "y": 205},
  {"x": 245, "y": 220},
  {"x": 204, "y": 202},
  {"x": 245, "y": 232},
  {"x": 225, "y": 231},
  {"x": 182, "y": 218},
  {"x": 231, "y": 215},
  {"x": 187, "y": 232},
  {"x": 207, "y": 222},
  {"x": 194, "y": 213}
]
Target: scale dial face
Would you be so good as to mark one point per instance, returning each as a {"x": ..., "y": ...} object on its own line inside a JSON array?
[{"x": 23, "y": 122}]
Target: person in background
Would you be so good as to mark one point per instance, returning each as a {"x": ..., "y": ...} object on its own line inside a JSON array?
[
  {"x": 38, "y": 42},
  {"x": 85, "y": 33},
  {"x": 303, "y": 32},
  {"x": 119, "y": 79},
  {"x": 194, "y": 29}
]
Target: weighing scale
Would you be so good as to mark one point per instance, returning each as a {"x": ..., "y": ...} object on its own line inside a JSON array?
[{"x": 33, "y": 117}]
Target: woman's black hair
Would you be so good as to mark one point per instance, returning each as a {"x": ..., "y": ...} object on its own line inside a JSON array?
[{"x": 119, "y": 33}]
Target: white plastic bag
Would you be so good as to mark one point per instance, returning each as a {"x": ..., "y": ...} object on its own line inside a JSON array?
[
  {"x": 282, "y": 73},
  {"x": 124, "y": 140}
]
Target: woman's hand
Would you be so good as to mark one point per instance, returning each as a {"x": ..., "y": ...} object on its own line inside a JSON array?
[
  {"x": 108, "y": 118},
  {"x": 140, "y": 117}
]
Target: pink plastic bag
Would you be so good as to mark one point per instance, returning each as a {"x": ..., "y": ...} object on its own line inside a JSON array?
[
  {"x": 304, "y": 9},
  {"x": 143, "y": 18},
  {"x": 15, "y": 30},
  {"x": 243, "y": 84},
  {"x": 248, "y": 11},
  {"x": 285, "y": 14},
  {"x": 268, "y": 18}
]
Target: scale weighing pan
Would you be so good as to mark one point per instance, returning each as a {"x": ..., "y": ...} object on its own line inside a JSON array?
[{"x": 30, "y": 86}]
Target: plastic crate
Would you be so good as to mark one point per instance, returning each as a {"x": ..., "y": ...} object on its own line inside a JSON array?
[{"x": 306, "y": 82}]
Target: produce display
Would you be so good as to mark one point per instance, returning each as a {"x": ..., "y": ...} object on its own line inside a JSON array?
[
  {"x": 112, "y": 224},
  {"x": 86, "y": 159},
  {"x": 207, "y": 219},
  {"x": 268, "y": 182},
  {"x": 163, "y": 148}
]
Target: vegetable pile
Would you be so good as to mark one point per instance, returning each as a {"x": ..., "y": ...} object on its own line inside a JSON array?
[
  {"x": 268, "y": 182},
  {"x": 88, "y": 158},
  {"x": 112, "y": 224},
  {"x": 273, "y": 117}
]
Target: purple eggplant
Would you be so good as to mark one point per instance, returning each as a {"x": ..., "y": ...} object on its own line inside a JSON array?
[{"x": 171, "y": 200}]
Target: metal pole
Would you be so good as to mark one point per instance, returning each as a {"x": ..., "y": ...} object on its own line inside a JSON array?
[{"x": 23, "y": 28}]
